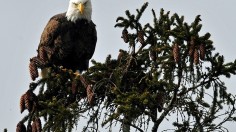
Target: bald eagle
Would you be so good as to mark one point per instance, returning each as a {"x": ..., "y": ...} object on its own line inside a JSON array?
[{"x": 69, "y": 39}]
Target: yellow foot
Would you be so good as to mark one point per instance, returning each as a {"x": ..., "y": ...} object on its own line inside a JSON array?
[
  {"x": 63, "y": 69},
  {"x": 77, "y": 74}
]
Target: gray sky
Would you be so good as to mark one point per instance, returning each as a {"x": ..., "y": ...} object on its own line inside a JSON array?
[{"x": 22, "y": 23}]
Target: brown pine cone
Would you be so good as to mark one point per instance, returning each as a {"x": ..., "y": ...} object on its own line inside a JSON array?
[
  {"x": 38, "y": 62},
  {"x": 196, "y": 57},
  {"x": 33, "y": 70},
  {"x": 38, "y": 124},
  {"x": 202, "y": 51},
  {"x": 140, "y": 37},
  {"x": 22, "y": 103},
  {"x": 125, "y": 36},
  {"x": 90, "y": 95},
  {"x": 176, "y": 53},
  {"x": 34, "y": 128},
  {"x": 191, "y": 47},
  {"x": 30, "y": 100},
  {"x": 191, "y": 51},
  {"x": 20, "y": 127}
]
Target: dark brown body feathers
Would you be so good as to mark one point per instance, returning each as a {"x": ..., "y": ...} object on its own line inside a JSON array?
[{"x": 68, "y": 44}]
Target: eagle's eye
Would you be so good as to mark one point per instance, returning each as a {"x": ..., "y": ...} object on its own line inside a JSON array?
[{"x": 75, "y": 4}]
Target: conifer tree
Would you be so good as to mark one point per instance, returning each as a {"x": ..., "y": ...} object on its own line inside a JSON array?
[{"x": 169, "y": 70}]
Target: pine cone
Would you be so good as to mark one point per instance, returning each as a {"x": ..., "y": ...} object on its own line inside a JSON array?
[
  {"x": 196, "y": 57},
  {"x": 38, "y": 124},
  {"x": 38, "y": 62},
  {"x": 176, "y": 53},
  {"x": 34, "y": 128},
  {"x": 28, "y": 102},
  {"x": 202, "y": 51},
  {"x": 90, "y": 95},
  {"x": 33, "y": 70},
  {"x": 29, "y": 98},
  {"x": 29, "y": 128},
  {"x": 125, "y": 36},
  {"x": 140, "y": 37},
  {"x": 20, "y": 127},
  {"x": 191, "y": 50},
  {"x": 22, "y": 103},
  {"x": 191, "y": 47}
]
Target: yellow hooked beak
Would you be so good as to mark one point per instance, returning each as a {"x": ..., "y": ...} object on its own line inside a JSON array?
[{"x": 81, "y": 8}]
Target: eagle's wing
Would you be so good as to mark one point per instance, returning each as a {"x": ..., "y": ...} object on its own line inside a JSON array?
[
  {"x": 51, "y": 42},
  {"x": 89, "y": 45},
  {"x": 51, "y": 31},
  {"x": 93, "y": 39}
]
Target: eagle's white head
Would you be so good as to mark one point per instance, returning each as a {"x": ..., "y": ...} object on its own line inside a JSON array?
[{"x": 79, "y": 9}]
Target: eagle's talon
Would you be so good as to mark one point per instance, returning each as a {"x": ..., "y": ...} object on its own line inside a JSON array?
[
  {"x": 64, "y": 69},
  {"x": 77, "y": 74}
]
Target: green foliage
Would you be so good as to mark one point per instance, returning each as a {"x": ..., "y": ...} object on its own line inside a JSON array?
[{"x": 152, "y": 81}]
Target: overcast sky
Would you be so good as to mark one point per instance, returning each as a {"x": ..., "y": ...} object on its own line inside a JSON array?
[{"x": 22, "y": 23}]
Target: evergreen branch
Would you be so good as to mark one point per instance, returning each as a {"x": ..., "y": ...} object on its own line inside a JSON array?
[
  {"x": 169, "y": 107},
  {"x": 194, "y": 87},
  {"x": 130, "y": 124},
  {"x": 229, "y": 115},
  {"x": 140, "y": 12}
]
